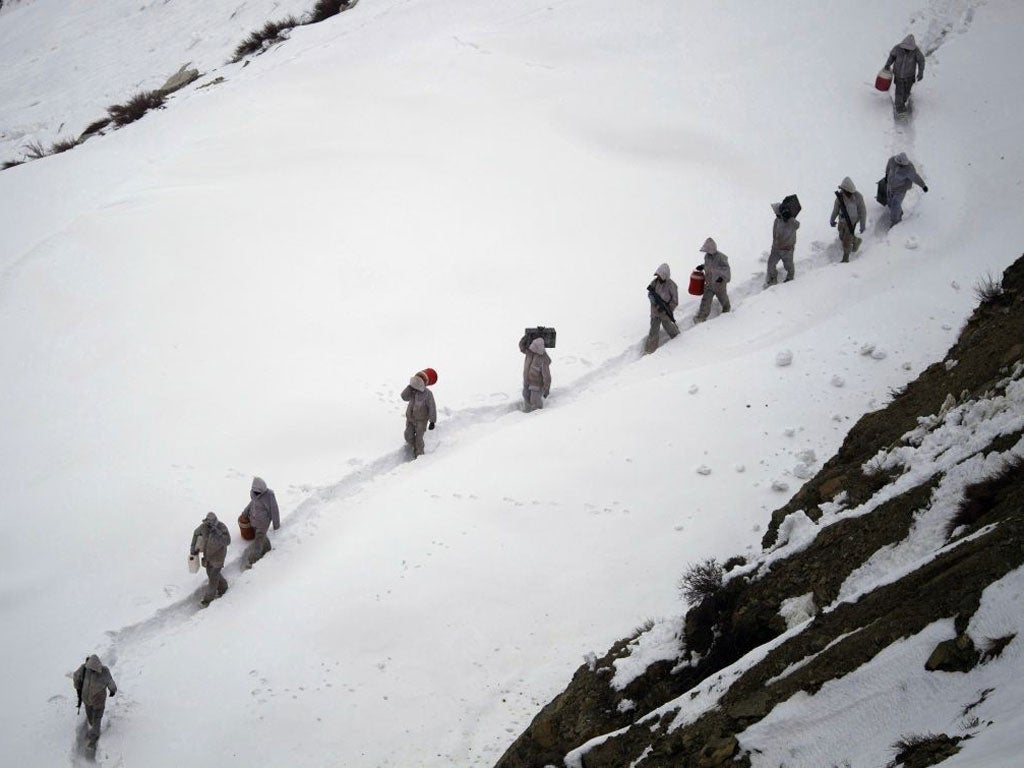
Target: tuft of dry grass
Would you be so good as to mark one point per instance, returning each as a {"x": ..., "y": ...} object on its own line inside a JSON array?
[
  {"x": 63, "y": 145},
  {"x": 324, "y": 9},
  {"x": 700, "y": 581},
  {"x": 34, "y": 150},
  {"x": 135, "y": 107},
  {"x": 988, "y": 289},
  {"x": 94, "y": 127},
  {"x": 270, "y": 33}
]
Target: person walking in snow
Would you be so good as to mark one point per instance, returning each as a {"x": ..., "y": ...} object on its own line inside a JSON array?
[
  {"x": 783, "y": 244},
  {"x": 261, "y": 512},
  {"x": 663, "y": 294},
  {"x": 536, "y": 373},
  {"x": 420, "y": 414},
  {"x": 905, "y": 60},
  {"x": 92, "y": 681},
  {"x": 717, "y": 275},
  {"x": 211, "y": 539},
  {"x": 900, "y": 176},
  {"x": 851, "y": 213}
]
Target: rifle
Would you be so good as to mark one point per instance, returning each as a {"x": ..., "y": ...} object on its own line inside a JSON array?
[
  {"x": 660, "y": 302},
  {"x": 844, "y": 212},
  {"x": 79, "y": 688}
]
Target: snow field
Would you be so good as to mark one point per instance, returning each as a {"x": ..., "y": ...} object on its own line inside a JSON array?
[{"x": 242, "y": 283}]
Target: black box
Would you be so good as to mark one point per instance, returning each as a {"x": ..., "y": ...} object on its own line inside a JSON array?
[{"x": 548, "y": 334}]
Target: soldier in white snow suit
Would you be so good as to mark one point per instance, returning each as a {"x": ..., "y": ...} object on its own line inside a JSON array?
[
  {"x": 905, "y": 59},
  {"x": 900, "y": 176},
  {"x": 92, "y": 681},
  {"x": 211, "y": 539},
  {"x": 536, "y": 373},
  {"x": 420, "y": 414},
  {"x": 783, "y": 245},
  {"x": 663, "y": 294},
  {"x": 261, "y": 512},
  {"x": 852, "y": 203},
  {"x": 717, "y": 275}
]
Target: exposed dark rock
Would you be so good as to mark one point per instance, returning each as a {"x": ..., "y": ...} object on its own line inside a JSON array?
[
  {"x": 956, "y": 655},
  {"x": 923, "y": 751}
]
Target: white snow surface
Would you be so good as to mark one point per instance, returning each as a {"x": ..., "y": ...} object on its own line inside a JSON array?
[{"x": 243, "y": 282}]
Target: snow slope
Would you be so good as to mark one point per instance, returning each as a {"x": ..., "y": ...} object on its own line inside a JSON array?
[{"x": 242, "y": 283}]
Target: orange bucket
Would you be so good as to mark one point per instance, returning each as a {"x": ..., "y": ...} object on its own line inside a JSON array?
[
  {"x": 696, "y": 283},
  {"x": 245, "y": 529},
  {"x": 429, "y": 376}
]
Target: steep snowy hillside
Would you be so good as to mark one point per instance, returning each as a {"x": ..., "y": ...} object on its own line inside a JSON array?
[
  {"x": 66, "y": 61},
  {"x": 243, "y": 282}
]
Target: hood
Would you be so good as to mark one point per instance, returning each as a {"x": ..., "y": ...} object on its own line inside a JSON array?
[
  {"x": 210, "y": 517},
  {"x": 663, "y": 272},
  {"x": 93, "y": 663},
  {"x": 775, "y": 208},
  {"x": 710, "y": 246},
  {"x": 847, "y": 185},
  {"x": 909, "y": 43},
  {"x": 258, "y": 486},
  {"x": 417, "y": 383},
  {"x": 902, "y": 159},
  {"x": 537, "y": 346}
]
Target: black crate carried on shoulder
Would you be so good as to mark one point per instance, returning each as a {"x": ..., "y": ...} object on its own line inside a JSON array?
[
  {"x": 789, "y": 207},
  {"x": 542, "y": 332}
]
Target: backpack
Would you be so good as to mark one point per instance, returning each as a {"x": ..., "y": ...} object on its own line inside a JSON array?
[
  {"x": 789, "y": 207},
  {"x": 882, "y": 193}
]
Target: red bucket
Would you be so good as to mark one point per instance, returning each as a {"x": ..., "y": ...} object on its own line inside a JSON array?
[
  {"x": 883, "y": 80},
  {"x": 245, "y": 529},
  {"x": 696, "y": 283},
  {"x": 429, "y": 376}
]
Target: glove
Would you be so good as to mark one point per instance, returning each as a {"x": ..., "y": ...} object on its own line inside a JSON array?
[
  {"x": 831, "y": 223},
  {"x": 700, "y": 267},
  {"x": 718, "y": 280},
  {"x": 545, "y": 393},
  {"x": 277, "y": 526},
  {"x": 430, "y": 425},
  {"x": 862, "y": 227},
  {"x": 113, "y": 694},
  {"x": 924, "y": 187},
  {"x": 920, "y": 77}
]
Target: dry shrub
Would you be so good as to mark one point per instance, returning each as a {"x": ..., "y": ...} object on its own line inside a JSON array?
[
  {"x": 271, "y": 32},
  {"x": 700, "y": 581},
  {"x": 63, "y": 145},
  {"x": 135, "y": 107}
]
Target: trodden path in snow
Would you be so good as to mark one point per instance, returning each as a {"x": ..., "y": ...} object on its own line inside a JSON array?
[{"x": 303, "y": 520}]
